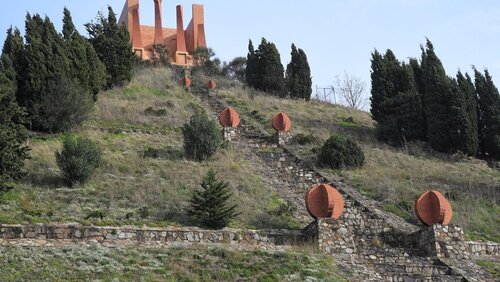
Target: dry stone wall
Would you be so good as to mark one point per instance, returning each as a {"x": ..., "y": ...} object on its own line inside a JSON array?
[
  {"x": 447, "y": 241},
  {"x": 44, "y": 233}
]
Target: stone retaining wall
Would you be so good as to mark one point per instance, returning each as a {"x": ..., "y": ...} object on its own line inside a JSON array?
[
  {"x": 263, "y": 239},
  {"x": 447, "y": 241}
]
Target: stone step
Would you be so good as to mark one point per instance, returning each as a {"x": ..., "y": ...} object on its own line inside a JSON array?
[
  {"x": 413, "y": 268},
  {"x": 404, "y": 277},
  {"x": 391, "y": 254}
]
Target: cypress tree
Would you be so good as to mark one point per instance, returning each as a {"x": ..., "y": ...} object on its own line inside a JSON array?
[
  {"x": 113, "y": 47},
  {"x": 439, "y": 94},
  {"x": 46, "y": 62},
  {"x": 14, "y": 48},
  {"x": 458, "y": 129},
  {"x": 271, "y": 69},
  {"x": 489, "y": 114},
  {"x": 13, "y": 134},
  {"x": 210, "y": 205},
  {"x": 84, "y": 63},
  {"x": 252, "y": 73},
  {"x": 378, "y": 91},
  {"x": 401, "y": 108},
  {"x": 466, "y": 86},
  {"x": 298, "y": 75}
]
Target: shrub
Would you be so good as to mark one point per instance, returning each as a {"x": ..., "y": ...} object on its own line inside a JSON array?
[
  {"x": 78, "y": 159},
  {"x": 340, "y": 152},
  {"x": 201, "y": 137},
  {"x": 209, "y": 205}
]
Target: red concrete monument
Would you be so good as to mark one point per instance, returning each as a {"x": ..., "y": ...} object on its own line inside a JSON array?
[
  {"x": 433, "y": 208},
  {"x": 181, "y": 42},
  {"x": 324, "y": 201}
]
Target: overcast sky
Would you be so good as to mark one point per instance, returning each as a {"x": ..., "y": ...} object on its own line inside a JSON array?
[{"x": 336, "y": 35}]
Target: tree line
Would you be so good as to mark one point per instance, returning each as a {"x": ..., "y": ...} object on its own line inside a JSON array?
[
  {"x": 265, "y": 72},
  {"x": 49, "y": 81},
  {"x": 417, "y": 100}
]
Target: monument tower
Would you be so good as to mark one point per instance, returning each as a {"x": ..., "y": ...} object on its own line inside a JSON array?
[{"x": 181, "y": 42}]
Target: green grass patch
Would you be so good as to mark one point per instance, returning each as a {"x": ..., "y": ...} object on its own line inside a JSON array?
[
  {"x": 174, "y": 264},
  {"x": 493, "y": 267}
]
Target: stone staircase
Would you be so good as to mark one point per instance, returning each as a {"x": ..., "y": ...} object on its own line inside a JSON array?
[{"x": 367, "y": 243}]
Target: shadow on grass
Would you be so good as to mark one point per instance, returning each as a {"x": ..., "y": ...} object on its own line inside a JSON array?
[
  {"x": 46, "y": 180},
  {"x": 167, "y": 153}
]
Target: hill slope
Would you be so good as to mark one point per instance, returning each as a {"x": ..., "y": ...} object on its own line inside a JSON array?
[{"x": 146, "y": 180}]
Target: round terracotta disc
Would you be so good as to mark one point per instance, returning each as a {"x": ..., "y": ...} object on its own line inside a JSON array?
[
  {"x": 324, "y": 201},
  {"x": 433, "y": 208},
  {"x": 281, "y": 122},
  {"x": 211, "y": 84},
  {"x": 229, "y": 118}
]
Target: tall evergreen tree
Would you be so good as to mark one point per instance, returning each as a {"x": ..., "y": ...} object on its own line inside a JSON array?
[
  {"x": 401, "y": 113},
  {"x": 298, "y": 75},
  {"x": 470, "y": 127},
  {"x": 271, "y": 69},
  {"x": 14, "y": 48},
  {"x": 46, "y": 62},
  {"x": 210, "y": 205},
  {"x": 13, "y": 134},
  {"x": 378, "y": 91},
  {"x": 264, "y": 69},
  {"x": 489, "y": 114},
  {"x": 443, "y": 112},
  {"x": 112, "y": 44},
  {"x": 252, "y": 72},
  {"x": 84, "y": 63}
]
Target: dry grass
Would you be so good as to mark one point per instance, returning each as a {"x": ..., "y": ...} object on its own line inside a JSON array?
[
  {"x": 75, "y": 263},
  {"x": 131, "y": 187}
]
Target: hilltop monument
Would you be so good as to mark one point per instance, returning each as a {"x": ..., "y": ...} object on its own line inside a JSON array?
[{"x": 181, "y": 42}]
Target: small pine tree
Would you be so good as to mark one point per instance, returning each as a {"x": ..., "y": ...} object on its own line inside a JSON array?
[
  {"x": 112, "y": 44},
  {"x": 13, "y": 134},
  {"x": 298, "y": 75},
  {"x": 210, "y": 205},
  {"x": 201, "y": 137},
  {"x": 489, "y": 114}
]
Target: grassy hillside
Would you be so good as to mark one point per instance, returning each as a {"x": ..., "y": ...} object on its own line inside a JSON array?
[
  {"x": 173, "y": 264},
  {"x": 393, "y": 176},
  {"x": 145, "y": 178}
]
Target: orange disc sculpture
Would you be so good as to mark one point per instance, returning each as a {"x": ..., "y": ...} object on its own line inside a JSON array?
[
  {"x": 211, "y": 84},
  {"x": 281, "y": 122},
  {"x": 229, "y": 118},
  {"x": 324, "y": 201},
  {"x": 186, "y": 81},
  {"x": 433, "y": 208}
]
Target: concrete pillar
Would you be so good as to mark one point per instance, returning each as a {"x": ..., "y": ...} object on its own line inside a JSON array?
[{"x": 158, "y": 23}]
